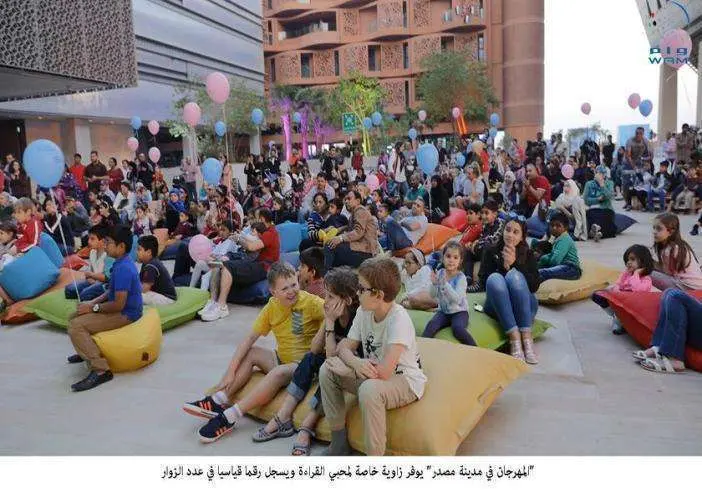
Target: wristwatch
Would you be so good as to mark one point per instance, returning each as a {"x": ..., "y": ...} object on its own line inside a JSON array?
[{"x": 96, "y": 308}]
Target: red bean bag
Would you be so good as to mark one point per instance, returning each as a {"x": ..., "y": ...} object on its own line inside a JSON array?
[
  {"x": 638, "y": 313},
  {"x": 84, "y": 253},
  {"x": 74, "y": 262},
  {"x": 456, "y": 219}
]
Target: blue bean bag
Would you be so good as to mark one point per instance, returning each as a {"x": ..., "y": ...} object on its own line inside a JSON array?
[
  {"x": 623, "y": 222},
  {"x": 51, "y": 249},
  {"x": 133, "y": 251},
  {"x": 292, "y": 258},
  {"x": 255, "y": 294},
  {"x": 170, "y": 252},
  {"x": 29, "y": 275},
  {"x": 536, "y": 228},
  {"x": 291, "y": 234}
]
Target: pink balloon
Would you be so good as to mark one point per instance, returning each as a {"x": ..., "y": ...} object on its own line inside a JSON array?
[
  {"x": 154, "y": 154},
  {"x": 676, "y": 45},
  {"x": 422, "y": 115},
  {"x": 456, "y": 112},
  {"x": 586, "y": 108},
  {"x": 634, "y": 100},
  {"x": 217, "y": 87},
  {"x": 200, "y": 247},
  {"x": 132, "y": 143},
  {"x": 191, "y": 114},
  {"x": 153, "y": 127},
  {"x": 567, "y": 171},
  {"x": 372, "y": 182}
]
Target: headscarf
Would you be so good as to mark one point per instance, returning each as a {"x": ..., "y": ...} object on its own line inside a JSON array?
[
  {"x": 570, "y": 193},
  {"x": 178, "y": 206},
  {"x": 419, "y": 256}
]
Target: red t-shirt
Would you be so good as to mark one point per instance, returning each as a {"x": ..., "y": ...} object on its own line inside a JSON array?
[
  {"x": 78, "y": 172},
  {"x": 539, "y": 182},
  {"x": 485, "y": 159},
  {"x": 28, "y": 234},
  {"x": 271, "y": 247},
  {"x": 472, "y": 233}
]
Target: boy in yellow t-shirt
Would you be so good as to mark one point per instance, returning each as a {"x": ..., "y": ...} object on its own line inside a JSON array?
[{"x": 294, "y": 317}]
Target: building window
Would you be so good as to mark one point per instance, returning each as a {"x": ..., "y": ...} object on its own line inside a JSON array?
[
  {"x": 270, "y": 4},
  {"x": 405, "y": 56},
  {"x": 407, "y": 98},
  {"x": 306, "y": 65},
  {"x": 337, "y": 70},
  {"x": 373, "y": 62},
  {"x": 481, "y": 47},
  {"x": 404, "y": 14},
  {"x": 272, "y": 70}
]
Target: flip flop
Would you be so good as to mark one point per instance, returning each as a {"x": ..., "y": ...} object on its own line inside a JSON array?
[
  {"x": 661, "y": 365},
  {"x": 283, "y": 429},
  {"x": 303, "y": 449}
]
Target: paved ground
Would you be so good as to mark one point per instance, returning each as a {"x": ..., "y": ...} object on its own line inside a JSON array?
[{"x": 587, "y": 397}]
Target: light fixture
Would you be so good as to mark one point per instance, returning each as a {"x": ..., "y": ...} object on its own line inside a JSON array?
[{"x": 41, "y": 117}]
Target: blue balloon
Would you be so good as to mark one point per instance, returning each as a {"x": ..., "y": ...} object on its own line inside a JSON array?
[
  {"x": 220, "y": 128},
  {"x": 297, "y": 117},
  {"x": 461, "y": 160},
  {"x": 257, "y": 116},
  {"x": 377, "y": 118},
  {"x": 212, "y": 171},
  {"x": 412, "y": 133},
  {"x": 135, "y": 122},
  {"x": 367, "y": 123},
  {"x": 493, "y": 132},
  {"x": 43, "y": 161},
  {"x": 645, "y": 107},
  {"x": 494, "y": 119},
  {"x": 427, "y": 158}
]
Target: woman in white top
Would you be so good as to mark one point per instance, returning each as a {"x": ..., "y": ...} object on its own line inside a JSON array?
[{"x": 125, "y": 202}]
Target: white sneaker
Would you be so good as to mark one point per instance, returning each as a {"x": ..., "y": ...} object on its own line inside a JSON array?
[
  {"x": 215, "y": 313},
  {"x": 207, "y": 307}
]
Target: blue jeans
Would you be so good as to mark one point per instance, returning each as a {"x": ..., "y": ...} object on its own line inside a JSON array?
[
  {"x": 509, "y": 300},
  {"x": 87, "y": 291},
  {"x": 563, "y": 271},
  {"x": 397, "y": 239},
  {"x": 676, "y": 325},
  {"x": 457, "y": 321},
  {"x": 659, "y": 193},
  {"x": 343, "y": 255},
  {"x": 305, "y": 373}
]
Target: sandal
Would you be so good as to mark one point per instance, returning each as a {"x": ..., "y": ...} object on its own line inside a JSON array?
[
  {"x": 640, "y": 355},
  {"x": 529, "y": 354},
  {"x": 303, "y": 449},
  {"x": 661, "y": 365},
  {"x": 283, "y": 429},
  {"x": 515, "y": 349}
]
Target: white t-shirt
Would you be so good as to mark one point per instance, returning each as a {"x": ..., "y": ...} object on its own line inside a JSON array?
[
  {"x": 420, "y": 281},
  {"x": 396, "y": 328},
  {"x": 416, "y": 235}
]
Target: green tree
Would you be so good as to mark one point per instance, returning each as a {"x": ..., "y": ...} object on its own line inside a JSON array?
[
  {"x": 359, "y": 95},
  {"x": 451, "y": 79},
  {"x": 236, "y": 113}
]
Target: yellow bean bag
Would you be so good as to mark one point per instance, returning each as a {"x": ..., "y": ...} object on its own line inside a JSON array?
[
  {"x": 595, "y": 276},
  {"x": 133, "y": 346},
  {"x": 438, "y": 423}
]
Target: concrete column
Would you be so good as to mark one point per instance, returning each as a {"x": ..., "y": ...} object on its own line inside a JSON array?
[
  {"x": 255, "y": 143},
  {"x": 667, "y": 100},
  {"x": 188, "y": 149},
  {"x": 83, "y": 140},
  {"x": 698, "y": 119}
]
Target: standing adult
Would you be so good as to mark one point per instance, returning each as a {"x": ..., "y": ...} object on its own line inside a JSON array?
[
  {"x": 398, "y": 164},
  {"x": 608, "y": 151},
  {"x": 95, "y": 172},
  {"x": 190, "y": 172},
  {"x": 144, "y": 171},
  {"x": 115, "y": 174},
  {"x": 20, "y": 185},
  {"x": 357, "y": 244},
  {"x": 638, "y": 148},
  {"x": 357, "y": 159},
  {"x": 78, "y": 170},
  {"x": 684, "y": 142}
]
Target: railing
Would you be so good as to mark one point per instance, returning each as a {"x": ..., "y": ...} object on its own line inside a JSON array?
[
  {"x": 308, "y": 29},
  {"x": 274, "y": 4},
  {"x": 385, "y": 23},
  {"x": 465, "y": 12}
]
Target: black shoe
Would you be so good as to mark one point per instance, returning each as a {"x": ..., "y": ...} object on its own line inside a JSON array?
[
  {"x": 215, "y": 428},
  {"x": 695, "y": 230},
  {"x": 74, "y": 359},
  {"x": 206, "y": 408},
  {"x": 94, "y": 379}
]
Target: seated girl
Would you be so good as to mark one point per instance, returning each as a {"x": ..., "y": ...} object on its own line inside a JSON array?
[
  {"x": 223, "y": 245},
  {"x": 416, "y": 280},
  {"x": 449, "y": 290},
  {"x": 562, "y": 262},
  {"x": 142, "y": 222},
  {"x": 340, "y": 305},
  {"x": 57, "y": 226},
  {"x": 676, "y": 263},
  {"x": 636, "y": 278}
]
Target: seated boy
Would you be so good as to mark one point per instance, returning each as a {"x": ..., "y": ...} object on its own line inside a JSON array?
[
  {"x": 99, "y": 268},
  {"x": 294, "y": 317},
  {"x": 312, "y": 271},
  {"x": 120, "y": 305},
  {"x": 490, "y": 234},
  {"x": 388, "y": 376},
  {"x": 8, "y": 232},
  {"x": 562, "y": 262},
  {"x": 475, "y": 225},
  {"x": 157, "y": 286}
]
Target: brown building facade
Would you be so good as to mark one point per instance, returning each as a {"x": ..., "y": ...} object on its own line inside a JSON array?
[{"x": 315, "y": 42}]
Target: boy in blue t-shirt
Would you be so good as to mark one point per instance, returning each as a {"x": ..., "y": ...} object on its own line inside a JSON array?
[{"x": 120, "y": 305}]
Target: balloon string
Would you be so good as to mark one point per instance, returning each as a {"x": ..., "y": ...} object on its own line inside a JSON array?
[{"x": 65, "y": 246}]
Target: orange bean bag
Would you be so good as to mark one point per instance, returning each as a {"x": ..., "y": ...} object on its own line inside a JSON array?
[
  {"x": 638, "y": 313},
  {"x": 15, "y": 314},
  {"x": 74, "y": 262},
  {"x": 435, "y": 238},
  {"x": 456, "y": 219}
]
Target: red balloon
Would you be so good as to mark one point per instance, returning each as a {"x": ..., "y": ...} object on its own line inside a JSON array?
[
  {"x": 586, "y": 108},
  {"x": 634, "y": 100}
]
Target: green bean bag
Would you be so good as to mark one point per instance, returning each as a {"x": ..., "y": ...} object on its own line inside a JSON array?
[
  {"x": 56, "y": 309},
  {"x": 484, "y": 329}
]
